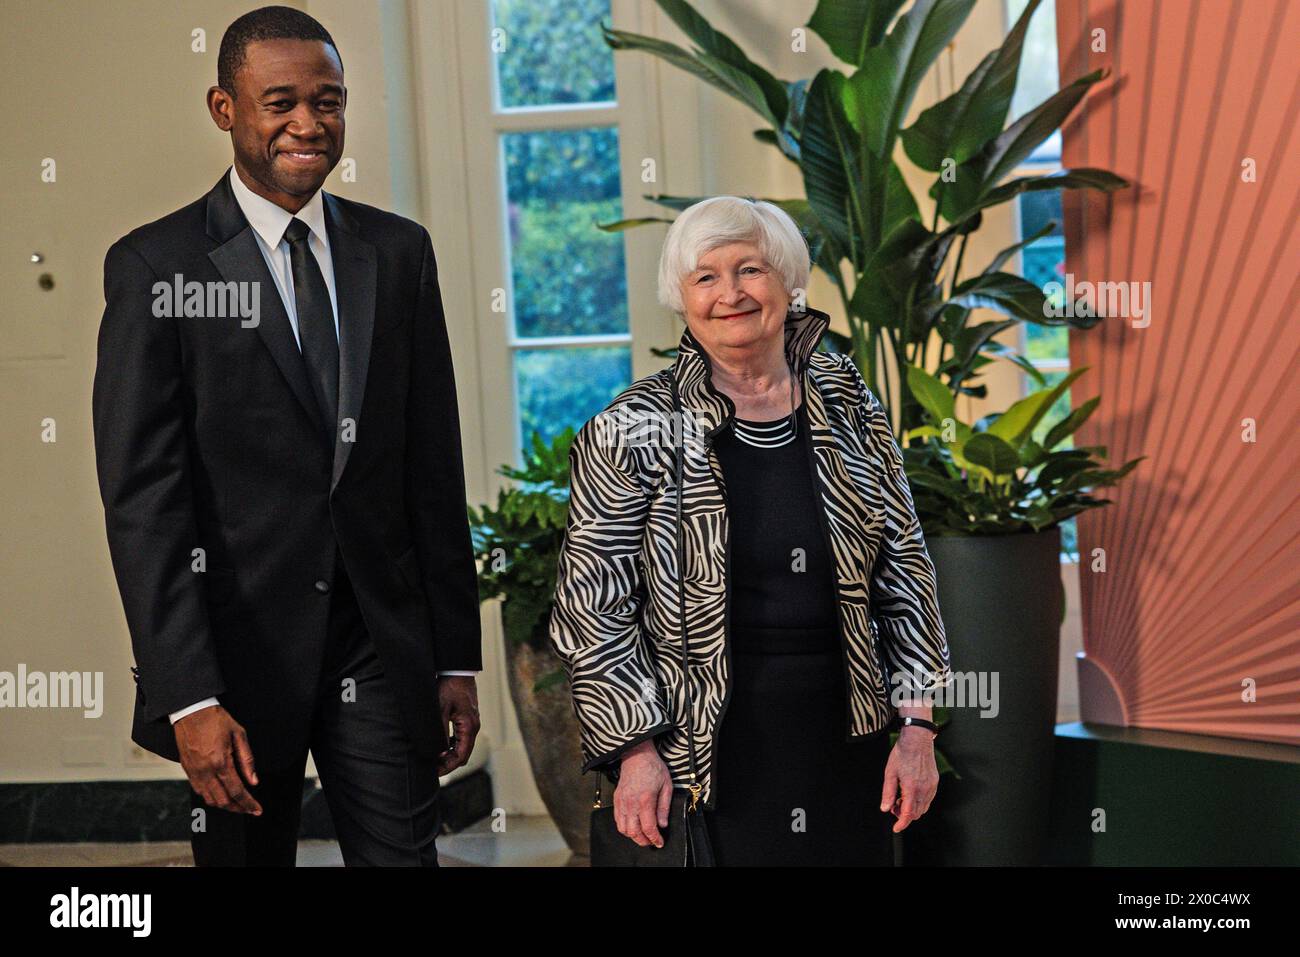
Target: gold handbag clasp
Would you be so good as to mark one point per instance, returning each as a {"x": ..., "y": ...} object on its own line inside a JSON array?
[{"x": 696, "y": 790}]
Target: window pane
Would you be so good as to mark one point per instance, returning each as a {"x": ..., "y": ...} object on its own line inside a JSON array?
[
  {"x": 1070, "y": 539},
  {"x": 568, "y": 276},
  {"x": 553, "y": 52},
  {"x": 1046, "y": 342},
  {"x": 566, "y": 387},
  {"x": 1039, "y": 208},
  {"x": 1043, "y": 262}
]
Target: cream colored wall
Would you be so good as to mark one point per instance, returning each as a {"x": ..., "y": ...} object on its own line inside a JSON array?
[{"x": 114, "y": 94}]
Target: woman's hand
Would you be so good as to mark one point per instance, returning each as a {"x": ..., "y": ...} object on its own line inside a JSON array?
[
  {"x": 643, "y": 795},
  {"x": 911, "y": 768}
]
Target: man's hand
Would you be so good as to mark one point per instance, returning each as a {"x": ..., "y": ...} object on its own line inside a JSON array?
[
  {"x": 217, "y": 759},
  {"x": 458, "y": 697}
]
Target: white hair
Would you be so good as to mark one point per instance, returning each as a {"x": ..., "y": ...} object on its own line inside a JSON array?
[{"x": 719, "y": 221}]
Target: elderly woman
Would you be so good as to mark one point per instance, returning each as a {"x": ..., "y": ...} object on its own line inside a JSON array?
[{"x": 808, "y": 591}]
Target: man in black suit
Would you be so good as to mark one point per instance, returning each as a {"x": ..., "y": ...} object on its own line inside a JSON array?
[{"x": 278, "y": 450}]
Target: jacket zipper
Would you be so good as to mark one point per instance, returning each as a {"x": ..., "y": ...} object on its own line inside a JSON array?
[
  {"x": 726, "y": 629},
  {"x": 730, "y": 406},
  {"x": 830, "y": 550}
]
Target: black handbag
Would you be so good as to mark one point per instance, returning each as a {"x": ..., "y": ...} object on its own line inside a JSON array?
[{"x": 686, "y": 839}]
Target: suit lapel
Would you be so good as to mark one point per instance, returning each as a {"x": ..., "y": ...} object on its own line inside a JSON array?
[
  {"x": 355, "y": 280},
  {"x": 239, "y": 259}
]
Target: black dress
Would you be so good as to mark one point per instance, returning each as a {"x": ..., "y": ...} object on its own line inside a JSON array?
[{"x": 789, "y": 787}]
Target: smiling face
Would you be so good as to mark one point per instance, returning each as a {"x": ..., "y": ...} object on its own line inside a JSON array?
[
  {"x": 734, "y": 302},
  {"x": 286, "y": 124}
]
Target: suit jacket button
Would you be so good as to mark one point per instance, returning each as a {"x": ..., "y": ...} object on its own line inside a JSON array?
[{"x": 322, "y": 586}]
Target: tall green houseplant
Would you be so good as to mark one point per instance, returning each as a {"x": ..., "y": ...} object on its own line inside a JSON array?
[{"x": 900, "y": 281}]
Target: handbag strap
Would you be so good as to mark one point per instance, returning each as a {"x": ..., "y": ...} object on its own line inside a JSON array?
[{"x": 679, "y": 429}]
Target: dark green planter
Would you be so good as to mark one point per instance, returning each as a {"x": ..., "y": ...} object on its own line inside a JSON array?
[{"x": 1001, "y": 598}]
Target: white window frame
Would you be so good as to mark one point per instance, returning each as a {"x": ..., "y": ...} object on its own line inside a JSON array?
[{"x": 636, "y": 117}]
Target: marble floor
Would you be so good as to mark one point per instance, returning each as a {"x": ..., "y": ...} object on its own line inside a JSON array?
[{"x": 528, "y": 841}]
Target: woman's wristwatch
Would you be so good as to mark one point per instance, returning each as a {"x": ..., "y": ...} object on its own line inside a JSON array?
[{"x": 921, "y": 721}]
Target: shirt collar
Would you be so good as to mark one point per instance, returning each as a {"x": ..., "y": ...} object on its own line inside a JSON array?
[{"x": 270, "y": 221}]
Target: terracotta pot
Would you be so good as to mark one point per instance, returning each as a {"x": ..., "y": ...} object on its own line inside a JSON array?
[{"x": 550, "y": 732}]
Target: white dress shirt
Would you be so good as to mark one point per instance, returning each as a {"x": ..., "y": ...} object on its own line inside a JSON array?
[{"x": 269, "y": 222}]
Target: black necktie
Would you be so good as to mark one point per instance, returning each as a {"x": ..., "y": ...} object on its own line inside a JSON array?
[{"x": 320, "y": 345}]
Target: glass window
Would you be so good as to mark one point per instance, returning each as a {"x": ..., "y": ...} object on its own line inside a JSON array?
[
  {"x": 1043, "y": 262},
  {"x": 561, "y": 387},
  {"x": 557, "y": 132},
  {"x": 568, "y": 276},
  {"x": 552, "y": 53}
]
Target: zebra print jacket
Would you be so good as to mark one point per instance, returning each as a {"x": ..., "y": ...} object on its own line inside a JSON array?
[{"x": 615, "y": 622}]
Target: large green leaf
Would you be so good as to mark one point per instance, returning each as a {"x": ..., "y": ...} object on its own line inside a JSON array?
[
  {"x": 900, "y": 204},
  {"x": 1001, "y": 258},
  {"x": 1011, "y": 355},
  {"x": 1015, "y": 425},
  {"x": 971, "y": 339},
  {"x": 933, "y": 395},
  {"x": 1059, "y": 469},
  {"x": 852, "y": 27},
  {"x": 825, "y": 254},
  {"x": 879, "y": 94},
  {"x": 1020, "y": 298},
  {"x": 713, "y": 70},
  {"x": 1095, "y": 477},
  {"x": 957, "y": 127},
  {"x": 1039, "y": 516},
  {"x": 720, "y": 48},
  {"x": 883, "y": 283},
  {"x": 1085, "y": 177},
  {"x": 1002, "y": 155},
  {"x": 675, "y": 202},
  {"x": 746, "y": 87},
  {"x": 910, "y": 256},
  {"x": 831, "y": 170},
  {"x": 792, "y": 130},
  {"x": 619, "y": 225},
  {"x": 1007, "y": 294},
  {"x": 991, "y": 452},
  {"x": 1070, "y": 423}
]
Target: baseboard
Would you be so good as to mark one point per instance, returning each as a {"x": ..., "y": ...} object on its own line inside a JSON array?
[{"x": 139, "y": 811}]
